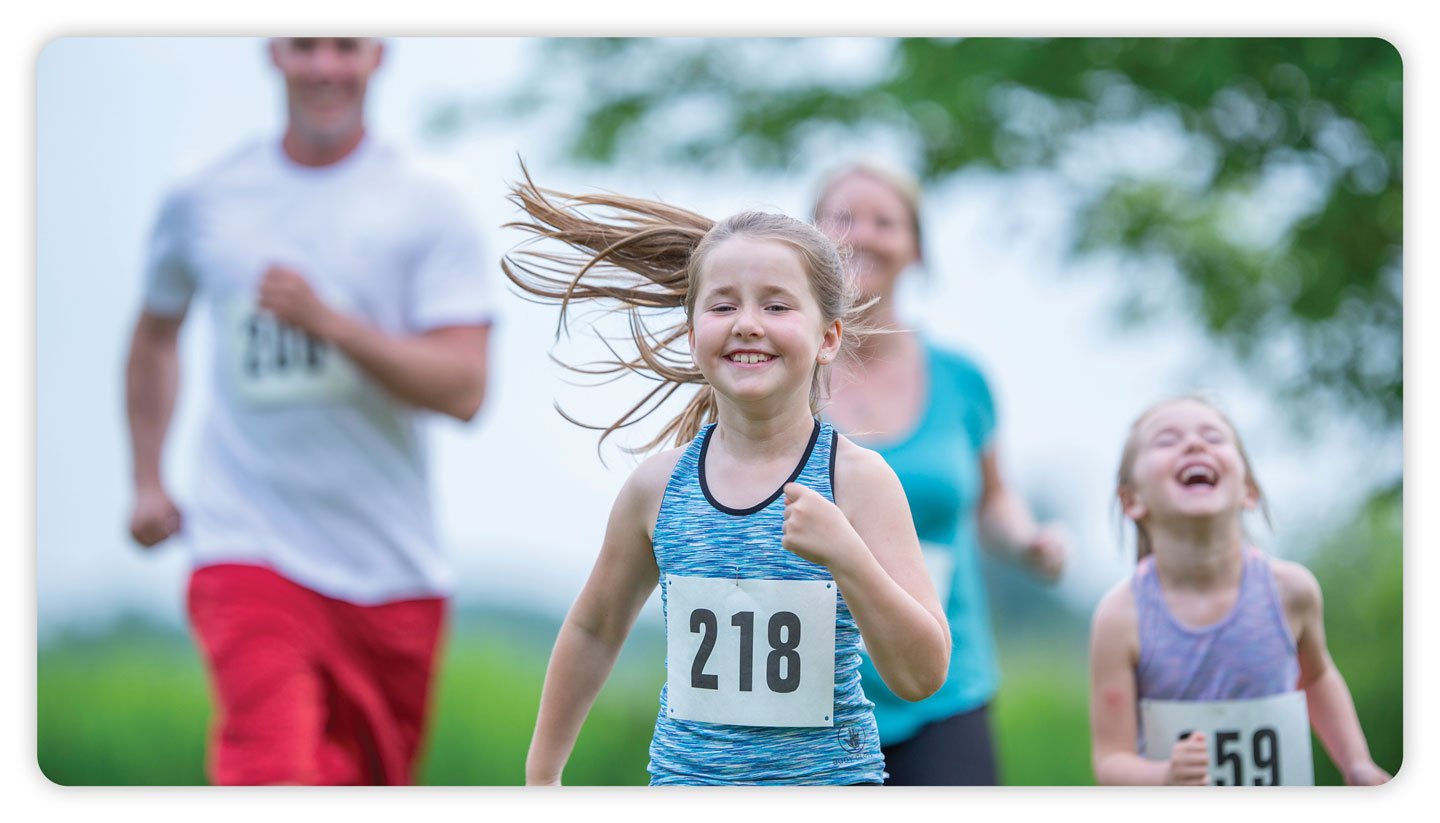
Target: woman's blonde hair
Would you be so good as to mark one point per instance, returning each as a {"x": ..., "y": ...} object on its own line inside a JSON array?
[
  {"x": 638, "y": 256},
  {"x": 1125, "y": 475}
]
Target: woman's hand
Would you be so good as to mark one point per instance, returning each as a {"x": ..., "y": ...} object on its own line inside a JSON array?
[{"x": 1044, "y": 555}]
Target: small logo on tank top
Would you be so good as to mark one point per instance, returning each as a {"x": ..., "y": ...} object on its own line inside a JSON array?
[{"x": 850, "y": 738}]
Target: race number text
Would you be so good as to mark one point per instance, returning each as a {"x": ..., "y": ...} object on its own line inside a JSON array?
[
  {"x": 751, "y": 652},
  {"x": 1259, "y": 742}
]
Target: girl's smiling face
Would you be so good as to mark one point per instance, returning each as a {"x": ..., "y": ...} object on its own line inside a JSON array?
[
  {"x": 757, "y": 331},
  {"x": 1187, "y": 464}
]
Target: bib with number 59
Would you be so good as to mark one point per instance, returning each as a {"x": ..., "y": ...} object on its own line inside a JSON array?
[
  {"x": 751, "y": 652},
  {"x": 1259, "y": 742}
]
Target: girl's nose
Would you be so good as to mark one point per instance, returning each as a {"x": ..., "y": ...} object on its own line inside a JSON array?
[{"x": 747, "y": 323}]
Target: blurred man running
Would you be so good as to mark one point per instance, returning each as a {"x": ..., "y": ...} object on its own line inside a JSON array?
[{"x": 349, "y": 299}]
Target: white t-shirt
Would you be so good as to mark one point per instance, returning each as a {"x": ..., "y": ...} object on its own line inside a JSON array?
[{"x": 306, "y": 464}]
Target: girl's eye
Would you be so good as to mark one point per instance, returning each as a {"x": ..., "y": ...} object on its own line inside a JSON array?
[
  {"x": 777, "y": 307},
  {"x": 1213, "y": 437},
  {"x": 722, "y": 308},
  {"x": 1167, "y": 439}
]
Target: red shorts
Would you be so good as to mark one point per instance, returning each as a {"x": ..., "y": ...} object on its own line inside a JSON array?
[{"x": 309, "y": 689}]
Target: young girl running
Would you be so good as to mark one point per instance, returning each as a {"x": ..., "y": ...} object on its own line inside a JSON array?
[
  {"x": 1205, "y": 664},
  {"x": 776, "y": 543}
]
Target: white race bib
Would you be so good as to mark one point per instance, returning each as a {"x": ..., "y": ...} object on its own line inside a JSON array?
[
  {"x": 940, "y": 563},
  {"x": 751, "y": 652},
  {"x": 272, "y": 364},
  {"x": 1260, "y": 742}
]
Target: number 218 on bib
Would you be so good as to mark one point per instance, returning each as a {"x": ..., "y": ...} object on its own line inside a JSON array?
[{"x": 751, "y": 652}]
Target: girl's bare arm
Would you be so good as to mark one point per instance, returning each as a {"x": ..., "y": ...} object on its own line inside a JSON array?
[
  {"x": 875, "y": 557},
  {"x": 595, "y": 629},
  {"x": 1114, "y": 650},
  {"x": 1331, "y": 708}
]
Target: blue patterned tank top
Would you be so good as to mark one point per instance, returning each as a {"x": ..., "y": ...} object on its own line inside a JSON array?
[
  {"x": 1247, "y": 654},
  {"x": 698, "y": 537}
]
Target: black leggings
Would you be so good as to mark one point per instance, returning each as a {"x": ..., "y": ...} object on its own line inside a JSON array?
[{"x": 955, "y": 751}]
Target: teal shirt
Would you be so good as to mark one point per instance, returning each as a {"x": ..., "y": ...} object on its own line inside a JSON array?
[{"x": 939, "y": 467}]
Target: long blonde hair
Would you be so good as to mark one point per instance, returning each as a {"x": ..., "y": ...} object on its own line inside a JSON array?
[
  {"x": 1124, "y": 477},
  {"x": 637, "y": 256}
]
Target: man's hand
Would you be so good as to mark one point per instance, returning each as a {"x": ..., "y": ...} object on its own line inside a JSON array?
[
  {"x": 154, "y": 518},
  {"x": 286, "y": 294}
]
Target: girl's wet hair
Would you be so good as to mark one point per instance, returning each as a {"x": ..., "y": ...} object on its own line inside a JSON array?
[
  {"x": 1124, "y": 476},
  {"x": 641, "y": 257}
]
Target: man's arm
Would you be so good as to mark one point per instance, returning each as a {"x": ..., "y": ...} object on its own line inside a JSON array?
[
  {"x": 152, "y": 380},
  {"x": 443, "y": 369}
]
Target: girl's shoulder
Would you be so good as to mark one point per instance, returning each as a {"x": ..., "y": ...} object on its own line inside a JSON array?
[
  {"x": 1298, "y": 589},
  {"x": 654, "y": 471},
  {"x": 645, "y": 487},
  {"x": 1115, "y": 615},
  {"x": 1115, "y": 627},
  {"x": 860, "y": 468},
  {"x": 862, "y": 481}
]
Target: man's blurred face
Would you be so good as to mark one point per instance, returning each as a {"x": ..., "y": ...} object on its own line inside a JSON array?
[{"x": 325, "y": 82}]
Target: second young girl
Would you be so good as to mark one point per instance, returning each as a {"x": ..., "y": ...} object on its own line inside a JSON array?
[
  {"x": 775, "y": 542},
  {"x": 1209, "y": 664}
]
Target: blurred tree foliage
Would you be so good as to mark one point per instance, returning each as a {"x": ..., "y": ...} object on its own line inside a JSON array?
[{"x": 1280, "y": 217}]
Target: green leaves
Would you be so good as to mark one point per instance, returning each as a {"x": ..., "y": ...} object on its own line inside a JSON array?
[{"x": 1281, "y": 219}]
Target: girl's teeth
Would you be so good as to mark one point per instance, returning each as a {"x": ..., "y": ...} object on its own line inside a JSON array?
[{"x": 1197, "y": 473}]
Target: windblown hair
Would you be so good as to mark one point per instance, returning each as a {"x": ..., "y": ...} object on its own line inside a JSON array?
[
  {"x": 638, "y": 256},
  {"x": 1124, "y": 477}
]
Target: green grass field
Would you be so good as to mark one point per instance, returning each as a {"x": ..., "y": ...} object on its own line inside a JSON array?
[{"x": 132, "y": 708}]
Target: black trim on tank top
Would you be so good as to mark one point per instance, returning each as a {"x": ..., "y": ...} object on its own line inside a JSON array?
[
  {"x": 834, "y": 441},
  {"x": 799, "y": 467}
]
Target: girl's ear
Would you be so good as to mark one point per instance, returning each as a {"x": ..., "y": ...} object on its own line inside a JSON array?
[
  {"x": 1252, "y": 495},
  {"x": 830, "y": 342},
  {"x": 1129, "y": 504}
]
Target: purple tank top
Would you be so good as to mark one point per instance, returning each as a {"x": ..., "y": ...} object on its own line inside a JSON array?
[{"x": 1248, "y": 653}]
